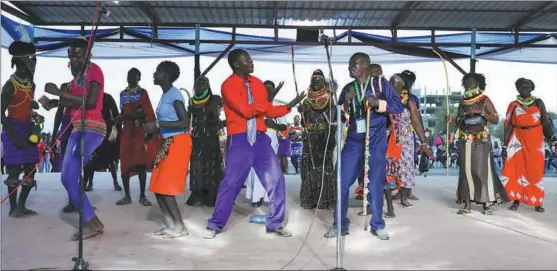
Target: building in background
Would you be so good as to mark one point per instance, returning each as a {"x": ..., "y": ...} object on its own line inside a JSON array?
[{"x": 433, "y": 105}]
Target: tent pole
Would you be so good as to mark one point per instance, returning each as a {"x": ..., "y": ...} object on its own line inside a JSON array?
[
  {"x": 197, "y": 68},
  {"x": 473, "y": 51}
]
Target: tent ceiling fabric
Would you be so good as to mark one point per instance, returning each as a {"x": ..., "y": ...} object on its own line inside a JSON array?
[
  {"x": 448, "y": 15},
  {"x": 282, "y": 53}
]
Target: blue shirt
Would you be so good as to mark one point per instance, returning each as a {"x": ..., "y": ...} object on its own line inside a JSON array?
[{"x": 166, "y": 111}]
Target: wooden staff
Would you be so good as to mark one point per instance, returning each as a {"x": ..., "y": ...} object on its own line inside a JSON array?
[{"x": 447, "y": 106}]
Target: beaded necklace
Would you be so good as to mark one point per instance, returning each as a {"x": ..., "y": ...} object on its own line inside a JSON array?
[
  {"x": 199, "y": 100},
  {"x": 526, "y": 102},
  {"x": 24, "y": 86},
  {"x": 472, "y": 96},
  {"x": 318, "y": 99},
  {"x": 130, "y": 95},
  {"x": 129, "y": 90}
]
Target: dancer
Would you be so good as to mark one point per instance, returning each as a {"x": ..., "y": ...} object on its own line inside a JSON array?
[
  {"x": 171, "y": 165},
  {"x": 318, "y": 113},
  {"x": 95, "y": 129},
  {"x": 108, "y": 153},
  {"x": 381, "y": 97},
  {"x": 206, "y": 170},
  {"x": 136, "y": 109},
  {"x": 400, "y": 149},
  {"x": 526, "y": 125},
  {"x": 245, "y": 104},
  {"x": 477, "y": 182},
  {"x": 20, "y": 153},
  {"x": 296, "y": 144}
]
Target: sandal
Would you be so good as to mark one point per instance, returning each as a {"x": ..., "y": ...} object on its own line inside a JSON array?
[
  {"x": 487, "y": 211},
  {"x": 539, "y": 209},
  {"x": 514, "y": 207},
  {"x": 406, "y": 204},
  {"x": 161, "y": 231},
  {"x": 144, "y": 202},
  {"x": 87, "y": 233},
  {"x": 29, "y": 212},
  {"x": 171, "y": 234},
  {"x": 16, "y": 214},
  {"x": 390, "y": 215},
  {"x": 124, "y": 201},
  {"x": 463, "y": 211}
]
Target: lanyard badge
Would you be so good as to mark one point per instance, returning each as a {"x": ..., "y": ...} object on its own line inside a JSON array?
[{"x": 359, "y": 95}]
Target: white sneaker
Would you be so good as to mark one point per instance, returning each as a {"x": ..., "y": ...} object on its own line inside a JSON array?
[{"x": 209, "y": 234}]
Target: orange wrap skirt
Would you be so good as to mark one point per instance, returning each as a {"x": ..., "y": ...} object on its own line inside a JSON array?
[{"x": 171, "y": 166}]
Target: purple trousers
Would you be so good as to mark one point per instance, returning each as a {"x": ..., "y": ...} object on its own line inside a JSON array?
[
  {"x": 71, "y": 169},
  {"x": 240, "y": 158}
]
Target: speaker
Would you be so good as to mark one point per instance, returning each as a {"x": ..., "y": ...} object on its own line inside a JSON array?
[{"x": 307, "y": 35}]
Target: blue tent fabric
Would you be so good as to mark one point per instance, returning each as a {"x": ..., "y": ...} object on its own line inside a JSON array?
[{"x": 282, "y": 53}]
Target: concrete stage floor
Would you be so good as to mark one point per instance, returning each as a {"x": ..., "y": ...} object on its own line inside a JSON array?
[{"x": 429, "y": 236}]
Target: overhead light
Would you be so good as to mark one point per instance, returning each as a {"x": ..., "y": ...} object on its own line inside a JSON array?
[{"x": 116, "y": 2}]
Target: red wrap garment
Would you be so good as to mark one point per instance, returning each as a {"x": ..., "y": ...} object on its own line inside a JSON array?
[{"x": 134, "y": 150}]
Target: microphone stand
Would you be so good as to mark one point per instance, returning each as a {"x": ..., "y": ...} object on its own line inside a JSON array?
[
  {"x": 339, "y": 151},
  {"x": 79, "y": 262}
]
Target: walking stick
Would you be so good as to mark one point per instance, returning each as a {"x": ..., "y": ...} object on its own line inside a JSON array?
[
  {"x": 366, "y": 168},
  {"x": 447, "y": 107}
]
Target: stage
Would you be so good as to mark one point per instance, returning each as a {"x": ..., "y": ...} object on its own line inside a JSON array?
[{"x": 429, "y": 236}]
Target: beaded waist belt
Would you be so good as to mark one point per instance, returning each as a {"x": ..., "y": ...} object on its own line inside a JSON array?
[
  {"x": 483, "y": 135},
  {"x": 318, "y": 127}
]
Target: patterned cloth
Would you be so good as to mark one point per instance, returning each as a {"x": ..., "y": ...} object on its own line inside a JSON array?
[
  {"x": 400, "y": 162},
  {"x": 523, "y": 170}
]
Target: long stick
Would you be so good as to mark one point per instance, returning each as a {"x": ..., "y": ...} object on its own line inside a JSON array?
[
  {"x": 294, "y": 72},
  {"x": 447, "y": 107},
  {"x": 366, "y": 167}
]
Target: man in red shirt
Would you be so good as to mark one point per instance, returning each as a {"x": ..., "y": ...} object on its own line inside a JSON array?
[{"x": 246, "y": 106}]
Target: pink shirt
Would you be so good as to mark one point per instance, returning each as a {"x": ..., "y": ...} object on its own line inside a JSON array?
[{"x": 94, "y": 73}]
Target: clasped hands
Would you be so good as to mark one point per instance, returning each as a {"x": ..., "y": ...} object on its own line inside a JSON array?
[{"x": 372, "y": 101}]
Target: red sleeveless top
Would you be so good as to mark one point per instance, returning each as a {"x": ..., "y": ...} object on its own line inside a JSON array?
[{"x": 20, "y": 105}]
